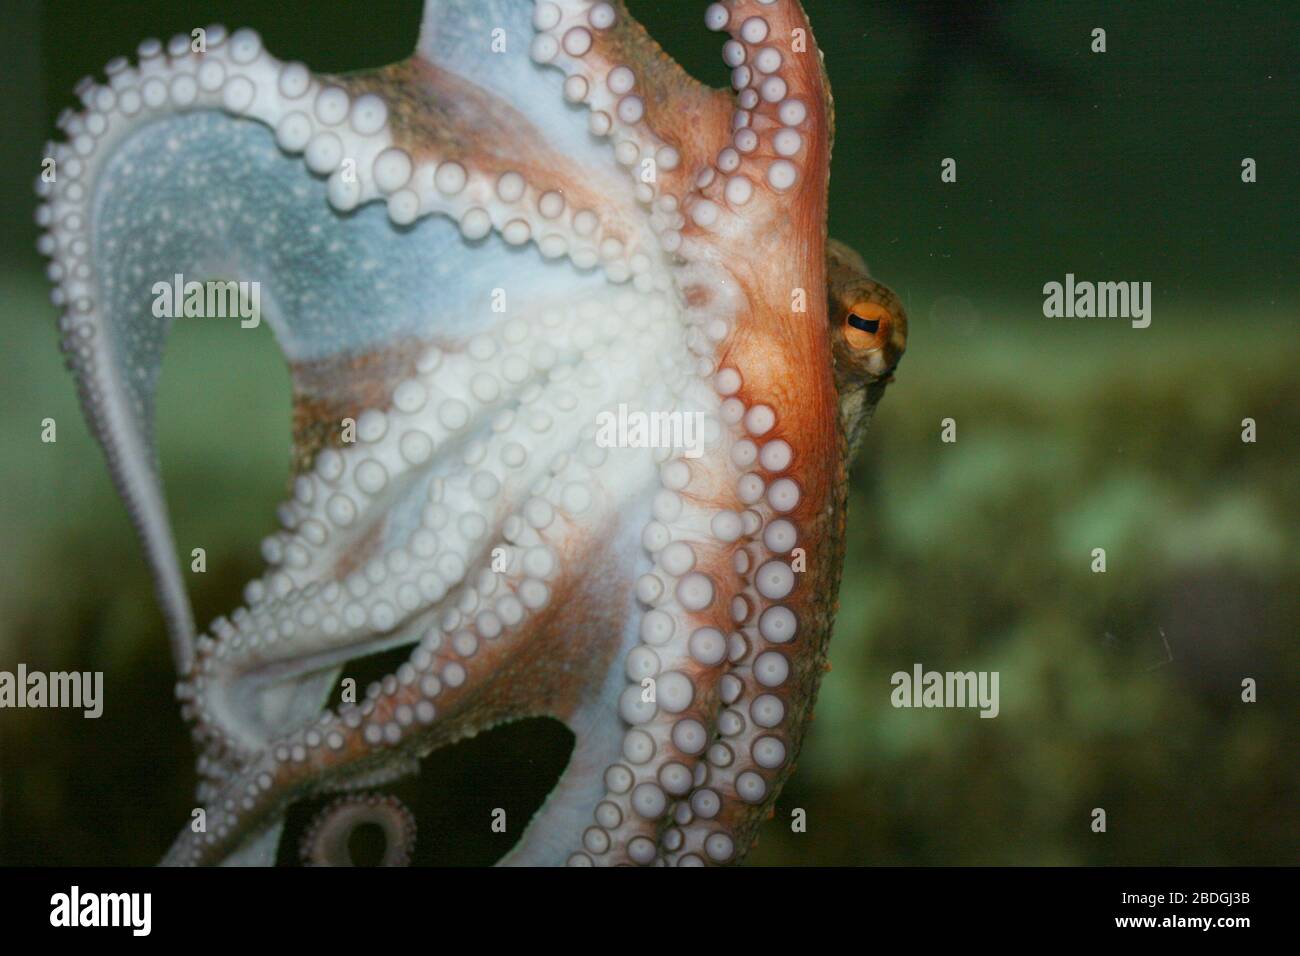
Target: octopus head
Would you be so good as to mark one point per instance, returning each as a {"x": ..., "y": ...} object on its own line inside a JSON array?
[{"x": 868, "y": 328}]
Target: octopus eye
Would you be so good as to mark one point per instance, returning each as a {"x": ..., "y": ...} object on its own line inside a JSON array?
[{"x": 867, "y": 325}]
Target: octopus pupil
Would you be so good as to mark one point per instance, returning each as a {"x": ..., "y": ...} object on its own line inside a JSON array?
[{"x": 870, "y": 326}]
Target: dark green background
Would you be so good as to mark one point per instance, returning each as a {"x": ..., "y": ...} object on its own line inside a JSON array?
[{"x": 1072, "y": 434}]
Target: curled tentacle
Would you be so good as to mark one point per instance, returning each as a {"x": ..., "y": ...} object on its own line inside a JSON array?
[{"x": 325, "y": 843}]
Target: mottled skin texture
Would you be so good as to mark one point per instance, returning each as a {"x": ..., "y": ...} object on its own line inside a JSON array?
[
  {"x": 329, "y": 390},
  {"x": 722, "y": 266}
]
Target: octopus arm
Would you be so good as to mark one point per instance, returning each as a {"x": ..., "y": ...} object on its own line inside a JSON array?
[{"x": 488, "y": 268}]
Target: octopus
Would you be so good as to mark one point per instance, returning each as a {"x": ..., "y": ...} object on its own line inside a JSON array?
[{"x": 537, "y": 218}]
